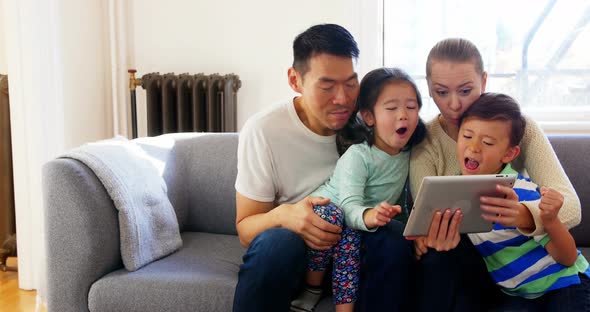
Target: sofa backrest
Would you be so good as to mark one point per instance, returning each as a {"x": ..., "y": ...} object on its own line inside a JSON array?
[
  {"x": 200, "y": 171},
  {"x": 572, "y": 151}
]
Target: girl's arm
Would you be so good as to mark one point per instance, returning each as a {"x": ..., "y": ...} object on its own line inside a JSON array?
[
  {"x": 539, "y": 158},
  {"x": 350, "y": 178}
]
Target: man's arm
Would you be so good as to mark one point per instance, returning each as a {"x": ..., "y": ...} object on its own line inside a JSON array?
[{"x": 254, "y": 217}]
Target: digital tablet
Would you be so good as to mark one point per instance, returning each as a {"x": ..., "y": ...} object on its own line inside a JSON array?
[{"x": 464, "y": 191}]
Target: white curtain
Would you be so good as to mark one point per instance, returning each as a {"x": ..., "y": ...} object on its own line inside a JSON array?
[{"x": 57, "y": 55}]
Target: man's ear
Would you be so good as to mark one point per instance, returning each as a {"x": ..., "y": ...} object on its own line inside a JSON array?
[
  {"x": 295, "y": 80},
  {"x": 511, "y": 154},
  {"x": 368, "y": 118}
]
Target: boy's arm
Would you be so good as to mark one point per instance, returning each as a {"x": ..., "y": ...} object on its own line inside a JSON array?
[{"x": 561, "y": 246}]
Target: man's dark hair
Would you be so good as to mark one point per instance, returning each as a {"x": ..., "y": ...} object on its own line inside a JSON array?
[
  {"x": 324, "y": 38},
  {"x": 497, "y": 106}
]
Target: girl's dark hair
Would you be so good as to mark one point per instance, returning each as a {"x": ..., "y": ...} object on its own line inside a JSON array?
[
  {"x": 356, "y": 130},
  {"x": 324, "y": 38},
  {"x": 497, "y": 106},
  {"x": 457, "y": 50}
]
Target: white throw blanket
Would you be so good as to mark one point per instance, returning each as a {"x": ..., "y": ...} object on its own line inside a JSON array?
[{"x": 147, "y": 222}]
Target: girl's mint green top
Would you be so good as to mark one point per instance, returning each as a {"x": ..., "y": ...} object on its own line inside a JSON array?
[{"x": 364, "y": 177}]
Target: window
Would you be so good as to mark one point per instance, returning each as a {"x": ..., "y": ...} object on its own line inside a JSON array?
[{"x": 536, "y": 51}]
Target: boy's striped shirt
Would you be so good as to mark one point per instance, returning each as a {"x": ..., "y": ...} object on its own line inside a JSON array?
[{"x": 520, "y": 264}]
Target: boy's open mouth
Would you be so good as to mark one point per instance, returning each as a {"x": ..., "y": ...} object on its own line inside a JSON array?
[
  {"x": 401, "y": 130},
  {"x": 471, "y": 164}
]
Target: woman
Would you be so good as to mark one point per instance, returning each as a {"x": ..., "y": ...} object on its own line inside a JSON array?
[{"x": 452, "y": 275}]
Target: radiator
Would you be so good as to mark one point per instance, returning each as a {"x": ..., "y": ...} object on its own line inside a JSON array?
[
  {"x": 7, "y": 211},
  {"x": 188, "y": 103}
]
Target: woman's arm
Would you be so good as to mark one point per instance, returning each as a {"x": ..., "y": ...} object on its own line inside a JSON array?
[{"x": 539, "y": 158}]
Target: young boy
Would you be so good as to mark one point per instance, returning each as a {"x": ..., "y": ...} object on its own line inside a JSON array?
[{"x": 547, "y": 269}]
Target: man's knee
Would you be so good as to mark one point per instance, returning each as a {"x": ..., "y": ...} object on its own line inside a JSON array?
[{"x": 276, "y": 250}]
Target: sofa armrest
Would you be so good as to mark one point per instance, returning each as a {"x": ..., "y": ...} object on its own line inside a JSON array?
[{"x": 82, "y": 233}]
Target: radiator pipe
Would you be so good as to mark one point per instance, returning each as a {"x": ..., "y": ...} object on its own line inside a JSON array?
[{"x": 133, "y": 83}]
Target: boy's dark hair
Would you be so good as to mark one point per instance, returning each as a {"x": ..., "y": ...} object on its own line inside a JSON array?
[
  {"x": 324, "y": 38},
  {"x": 356, "y": 130},
  {"x": 497, "y": 106},
  {"x": 456, "y": 50}
]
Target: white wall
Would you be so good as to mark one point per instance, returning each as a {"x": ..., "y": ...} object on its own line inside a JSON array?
[
  {"x": 252, "y": 39},
  {"x": 3, "y": 66},
  {"x": 84, "y": 58}
]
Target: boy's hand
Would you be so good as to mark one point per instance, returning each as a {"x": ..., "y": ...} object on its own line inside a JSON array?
[
  {"x": 551, "y": 202},
  {"x": 380, "y": 215},
  {"x": 507, "y": 211}
]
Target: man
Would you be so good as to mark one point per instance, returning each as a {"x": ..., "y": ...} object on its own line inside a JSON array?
[{"x": 284, "y": 153}]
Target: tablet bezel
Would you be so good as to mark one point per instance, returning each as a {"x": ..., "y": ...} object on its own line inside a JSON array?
[{"x": 462, "y": 191}]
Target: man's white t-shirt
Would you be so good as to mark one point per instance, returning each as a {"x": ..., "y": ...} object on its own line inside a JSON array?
[{"x": 280, "y": 160}]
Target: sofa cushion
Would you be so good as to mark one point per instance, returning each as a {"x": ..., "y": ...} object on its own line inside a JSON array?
[
  {"x": 572, "y": 151},
  {"x": 201, "y": 276},
  {"x": 200, "y": 171}
]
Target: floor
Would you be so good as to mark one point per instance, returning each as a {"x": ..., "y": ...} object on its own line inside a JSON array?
[{"x": 13, "y": 299}]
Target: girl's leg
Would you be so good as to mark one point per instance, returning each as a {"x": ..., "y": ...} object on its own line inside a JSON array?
[
  {"x": 317, "y": 262},
  {"x": 345, "y": 274}
]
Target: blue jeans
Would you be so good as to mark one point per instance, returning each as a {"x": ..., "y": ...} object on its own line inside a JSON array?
[
  {"x": 271, "y": 273},
  {"x": 387, "y": 270},
  {"x": 455, "y": 280},
  {"x": 571, "y": 298},
  {"x": 274, "y": 267}
]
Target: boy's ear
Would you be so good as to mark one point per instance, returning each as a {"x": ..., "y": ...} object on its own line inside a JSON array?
[
  {"x": 368, "y": 118},
  {"x": 511, "y": 154},
  {"x": 295, "y": 80}
]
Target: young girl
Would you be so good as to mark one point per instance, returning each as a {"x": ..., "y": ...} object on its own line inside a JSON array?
[{"x": 368, "y": 177}]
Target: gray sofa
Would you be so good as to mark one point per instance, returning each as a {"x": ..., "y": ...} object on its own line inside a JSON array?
[{"x": 85, "y": 271}]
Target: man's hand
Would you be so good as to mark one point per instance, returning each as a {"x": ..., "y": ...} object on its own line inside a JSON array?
[
  {"x": 551, "y": 202},
  {"x": 300, "y": 218},
  {"x": 380, "y": 215},
  {"x": 254, "y": 217}
]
